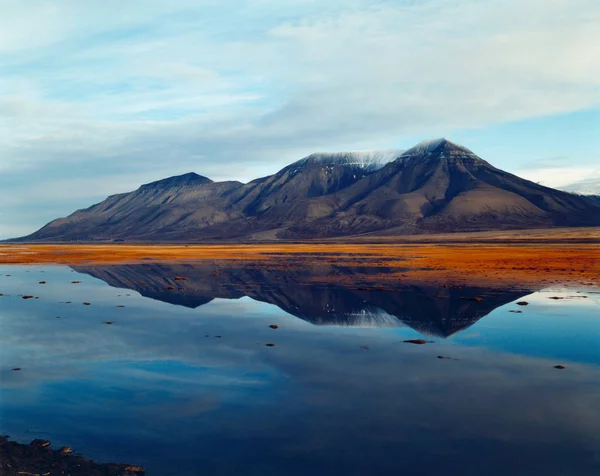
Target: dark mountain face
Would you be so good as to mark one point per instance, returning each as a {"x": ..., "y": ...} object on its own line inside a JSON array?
[
  {"x": 308, "y": 295},
  {"x": 436, "y": 186}
]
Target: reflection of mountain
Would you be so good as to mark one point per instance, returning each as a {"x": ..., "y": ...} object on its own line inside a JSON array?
[{"x": 308, "y": 293}]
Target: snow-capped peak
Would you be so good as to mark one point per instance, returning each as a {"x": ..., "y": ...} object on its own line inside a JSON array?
[
  {"x": 369, "y": 160},
  {"x": 429, "y": 146}
]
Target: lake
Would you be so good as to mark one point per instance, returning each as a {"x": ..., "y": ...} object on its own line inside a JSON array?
[{"x": 222, "y": 368}]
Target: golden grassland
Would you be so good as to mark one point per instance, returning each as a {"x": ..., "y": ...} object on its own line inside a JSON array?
[{"x": 524, "y": 264}]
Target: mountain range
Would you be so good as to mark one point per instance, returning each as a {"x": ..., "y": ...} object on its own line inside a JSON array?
[{"x": 435, "y": 186}]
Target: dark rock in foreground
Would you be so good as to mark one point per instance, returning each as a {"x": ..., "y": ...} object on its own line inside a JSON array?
[{"x": 39, "y": 458}]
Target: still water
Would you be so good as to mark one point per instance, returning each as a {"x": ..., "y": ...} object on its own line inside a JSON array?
[{"x": 176, "y": 375}]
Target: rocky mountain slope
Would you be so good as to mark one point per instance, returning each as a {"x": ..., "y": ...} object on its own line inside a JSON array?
[{"x": 436, "y": 186}]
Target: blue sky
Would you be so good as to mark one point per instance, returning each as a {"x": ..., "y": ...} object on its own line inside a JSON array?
[{"x": 100, "y": 97}]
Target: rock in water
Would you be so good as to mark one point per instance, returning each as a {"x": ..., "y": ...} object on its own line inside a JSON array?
[{"x": 416, "y": 341}]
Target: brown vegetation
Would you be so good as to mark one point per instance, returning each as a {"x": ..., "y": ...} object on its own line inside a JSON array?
[{"x": 483, "y": 263}]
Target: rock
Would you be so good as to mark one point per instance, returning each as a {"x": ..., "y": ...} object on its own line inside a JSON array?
[
  {"x": 270, "y": 345},
  {"x": 180, "y": 278},
  {"x": 125, "y": 470},
  {"x": 274, "y": 326},
  {"x": 40, "y": 443},
  {"x": 559, "y": 367},
  {"x": 522, "y": 303},
  {"x": 16, "y": 369},
  {"x": 134, "y": 469},
  {"x": 170, "y": 288},
  {"x": 416, "y": 341},
  {"x": 38, "y": 459},
  {"x": 87, "y": 303}
]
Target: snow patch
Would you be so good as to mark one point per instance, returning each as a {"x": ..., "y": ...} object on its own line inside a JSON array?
[
  {"x": 368, "y": 160},
  {"x": 429, "y": 146}
]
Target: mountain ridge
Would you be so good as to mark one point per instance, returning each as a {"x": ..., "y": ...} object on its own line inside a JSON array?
[{"x": 435, "y": 186}]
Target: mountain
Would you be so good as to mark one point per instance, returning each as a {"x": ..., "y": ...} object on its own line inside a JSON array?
[
  {"x": 310, "y": 295},
  {"x": 436, "y": 186}
]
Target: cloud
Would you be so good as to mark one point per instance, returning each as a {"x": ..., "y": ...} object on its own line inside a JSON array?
[{"x": 176, "y": 86}]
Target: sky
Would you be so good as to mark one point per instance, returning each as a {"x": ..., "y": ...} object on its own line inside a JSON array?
[{"x": 98, "y": 98}]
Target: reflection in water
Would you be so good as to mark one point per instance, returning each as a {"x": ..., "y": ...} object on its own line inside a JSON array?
[
  {"x": 308, "y": 293},
  {"x": 159, "y": 389}
]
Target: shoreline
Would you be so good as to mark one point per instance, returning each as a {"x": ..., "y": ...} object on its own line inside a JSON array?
[{"x": 492, "y": 264}]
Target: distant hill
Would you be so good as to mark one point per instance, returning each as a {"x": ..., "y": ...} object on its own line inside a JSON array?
[
  {"x": 586, "y": 187},
  {"x": 436, "y": 186}
]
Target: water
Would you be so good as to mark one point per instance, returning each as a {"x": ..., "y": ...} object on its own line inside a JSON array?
[{"x": 340, "y": 393}]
